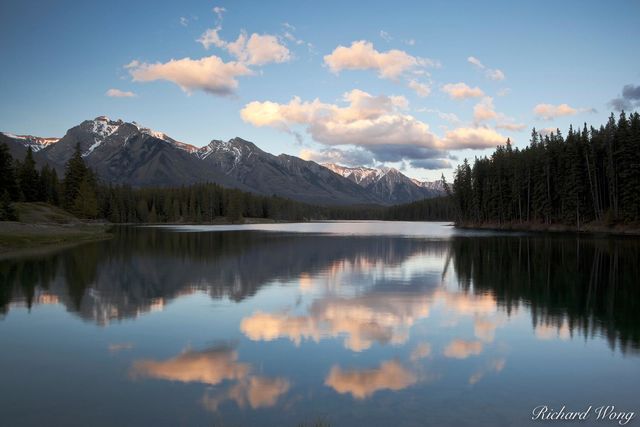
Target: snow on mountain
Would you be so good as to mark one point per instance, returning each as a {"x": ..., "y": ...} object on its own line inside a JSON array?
[
  {"x": 35, "y": 142},
  {"x": 387, "y": 183},
  {"x": 128, "y": 153}
]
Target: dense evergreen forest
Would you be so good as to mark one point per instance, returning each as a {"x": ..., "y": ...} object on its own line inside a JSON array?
[
  {"x": 80, "y": 193},
  {"x": 591, "y": 175}
]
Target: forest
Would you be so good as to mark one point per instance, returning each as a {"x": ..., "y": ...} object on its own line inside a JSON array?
[
  {"x": 591, "y": 175},
  {"x": 81, "y": 193}
]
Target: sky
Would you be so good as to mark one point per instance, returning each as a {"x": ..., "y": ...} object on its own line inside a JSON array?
[{"x": 414, "y": 85}]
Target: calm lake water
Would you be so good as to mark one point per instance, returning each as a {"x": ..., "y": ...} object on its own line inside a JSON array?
[{"x": 354, "y": 324}]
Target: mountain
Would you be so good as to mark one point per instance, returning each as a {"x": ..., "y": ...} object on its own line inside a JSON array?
[
  {"x": 388, "y": 184},
  {"x": 127, "y": 153},
  {"x": 18, "y": 144}
]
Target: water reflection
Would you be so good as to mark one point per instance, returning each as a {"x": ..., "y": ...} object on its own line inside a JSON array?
[
  {"x": 390, "y": 375},
  {"x": 373, "y": 289},
  {"x": 340, "y": 320},
  {"x": 214, "y": 366}
]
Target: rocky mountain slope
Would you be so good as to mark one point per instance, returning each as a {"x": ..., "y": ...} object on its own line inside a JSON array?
[{"x": 127, "y": 153}]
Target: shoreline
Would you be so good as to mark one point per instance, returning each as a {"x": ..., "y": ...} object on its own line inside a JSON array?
[
  {"x": 18, "y": 237},
  {"x": 590, "y": 228}
]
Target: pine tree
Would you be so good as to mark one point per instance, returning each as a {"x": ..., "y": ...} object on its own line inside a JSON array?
[
  {"x": 29, "y": 178},
  {"x": 75, "y": 172},
  {"x": 85, "y": 204},
  {"x": 8, "y": 181},
  {"x": 7, "y": 213}
]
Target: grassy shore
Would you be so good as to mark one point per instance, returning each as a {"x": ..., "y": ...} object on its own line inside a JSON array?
[
  {"x": 40, "y": 224},
  {"x": 589, "y": 228}
]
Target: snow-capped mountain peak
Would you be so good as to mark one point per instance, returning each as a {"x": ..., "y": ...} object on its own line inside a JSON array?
[
  {"x": 35, "y": 142},
  {"x": 387, "y": 182}
]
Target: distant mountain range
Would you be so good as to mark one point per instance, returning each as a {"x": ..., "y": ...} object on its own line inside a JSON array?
[{"x": 127, "y": 153}]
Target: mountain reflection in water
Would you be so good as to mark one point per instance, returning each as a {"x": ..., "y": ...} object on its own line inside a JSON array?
[{"x": 255, "y": 327}]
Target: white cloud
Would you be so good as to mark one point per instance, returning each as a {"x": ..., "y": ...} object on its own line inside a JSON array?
[
  {"x": 472, "y": 138},
  {"x": 462, "y": 91},
  {"x": 378, "y": 126},
  {"x": 390, "y": 375},
  {"x": 184, "y": 21},
  {"x": 211, "y": 38},
  {"x": 450, "y": 117},
  {"x": 219, "y": 11},
  {"x": 461, "y": 349},
  {"x": 257, "y": 49},
  {"x": 492, "y": 73},
  {"x": 512, "y": 126},
  {"x": 422, "y": 89},
  {"x": 550, "y": 111},
  {"x": 367, "y": 120},
  {"x": 210, "y": 74},
  {"x": 495, "y": 74},
  {"x": 361, "y": 55},
  {"x": 117, "y": 93},
  {"x": 385, "y": 36},
  {"x": 348, "y": 157},
  {"x": 484, "y": 110},
  {"x": 504, "y": 92}
]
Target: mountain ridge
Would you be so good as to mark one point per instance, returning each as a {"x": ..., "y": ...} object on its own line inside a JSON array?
[{"x": 126, "y": 153}]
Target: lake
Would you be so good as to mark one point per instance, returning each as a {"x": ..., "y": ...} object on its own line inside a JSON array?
[{"x": 343, "y": 323}]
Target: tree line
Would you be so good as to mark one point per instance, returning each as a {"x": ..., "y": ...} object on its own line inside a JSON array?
[
  {"x": 81, "y": 193},
  {"x": 590, "y": 175}
]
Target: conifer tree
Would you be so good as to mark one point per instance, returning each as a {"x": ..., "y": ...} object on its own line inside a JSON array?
[{"x": 29, "y": 178}]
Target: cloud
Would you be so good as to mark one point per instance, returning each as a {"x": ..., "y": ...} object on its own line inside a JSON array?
[
  {"x": 547, "y": 131},
  {"x": 117, "y": 93},
  {"x": 450, "y": 117},
  {"x": 495, "y": 365},
  {"x": 390, "y": 375},
  {"x": 256, "y": 392},
  {"x": 219, "y": 11},
  {"x": 257, "y": 49},
  {"x": 461, "y": 349},
  {"x": 209, "y": 74},
  {"x": 630, "y": 98},
  {"x": 462, "y": 91},
  {"x": 377, "y": 124},
  {"x": 184, "y": 21},
  {"x": 472, "y": 138},
  {"x": 211, "y": 38},
  {"x": 422, "y": 89},
  {"x": 430, "y": 164},
  {"x": 361, "y": 55},
  {"x": 548, "y": 332},
  {"x": 210, "y": 366},
  {"x": 385, "y": 36},
  {"x": 484, "y": 110},
  {"x": 360, "y": 320},
  {"x": 504, "y": 92},
  {"x": 550, "y": 111},
  {"x": 492, "y": 73},
  {"x": 367, "y": 120},
  {"x": 348, "y": 157},
  {"x": 422, "y": 350},
  {"x": 516, "y": 127}
]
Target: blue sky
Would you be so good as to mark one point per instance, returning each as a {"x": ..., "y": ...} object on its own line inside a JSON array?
[{"x": 491, "y": 69}]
